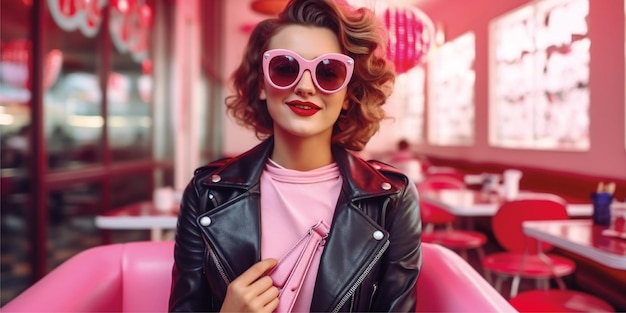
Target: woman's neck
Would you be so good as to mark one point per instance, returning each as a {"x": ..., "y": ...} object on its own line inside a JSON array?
[{"x": 302, "y": 154}]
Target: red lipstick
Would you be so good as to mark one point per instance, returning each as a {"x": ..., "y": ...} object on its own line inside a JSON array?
[{"x": 303, "y": 108}]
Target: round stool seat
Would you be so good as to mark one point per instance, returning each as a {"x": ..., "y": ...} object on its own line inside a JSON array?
[
  {"x": 455, "y": 239},
  {"x": 556, "y": 300},
  {"x": 528, "y": 265}
]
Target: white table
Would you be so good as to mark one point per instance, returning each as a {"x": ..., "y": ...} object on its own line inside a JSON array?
[
  {"x": 580, "y": 237},
  {"x": 138, "y": 216},
  {"x": 471, "y": 203}
]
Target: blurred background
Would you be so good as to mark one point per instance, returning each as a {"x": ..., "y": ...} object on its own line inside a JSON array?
[{"x": 102, "y": 102}]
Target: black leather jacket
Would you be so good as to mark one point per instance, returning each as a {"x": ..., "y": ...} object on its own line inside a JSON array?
[{"x": 218, "y": 236}]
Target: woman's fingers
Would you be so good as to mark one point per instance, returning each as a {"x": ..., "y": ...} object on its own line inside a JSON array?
[
  {"x": 268, "y": 293},
  {"x": 272, "y": 305},
  {"x": 256, "y": 271},
  {"x": 253, "y": 290}
]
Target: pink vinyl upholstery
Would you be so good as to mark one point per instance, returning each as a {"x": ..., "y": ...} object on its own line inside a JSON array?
[
  {"x": 129, "y": 277},
  {"x": 136, "y": 277}
]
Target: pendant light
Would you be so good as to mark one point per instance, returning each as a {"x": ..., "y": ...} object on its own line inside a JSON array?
[{"x": 268, "y": 7}]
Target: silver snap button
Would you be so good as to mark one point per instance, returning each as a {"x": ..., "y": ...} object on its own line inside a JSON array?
[
  {"x": 216, "y": 178},
  {"x": 385, "y": 186},
  {"x": 378, "y": 235},
  {"x": 211, "y": 196},
  {"x": 205, "y": 221}
]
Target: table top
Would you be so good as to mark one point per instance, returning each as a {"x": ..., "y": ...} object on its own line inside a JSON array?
[
  {"x": 468, "y": 202},
  {"x": 143, "y": 215},
  {"x": 140, "y": 215},
  {"x": 582, "y": 238}
]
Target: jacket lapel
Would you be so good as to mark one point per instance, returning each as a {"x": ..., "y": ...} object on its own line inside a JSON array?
[
  {"x": 236, "y": 224},
  {"x": 234, "y": 233}
]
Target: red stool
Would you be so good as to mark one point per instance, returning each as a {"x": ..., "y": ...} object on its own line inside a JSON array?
[
  {"x": 458, "y": 240},
  {"x": 554, "y": 300},
  {"x": 433, "y": 216},
  {"x": 523, "y": 257}
]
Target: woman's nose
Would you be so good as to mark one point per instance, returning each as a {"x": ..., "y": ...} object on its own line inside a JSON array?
[{"x": 305, "y": 85}]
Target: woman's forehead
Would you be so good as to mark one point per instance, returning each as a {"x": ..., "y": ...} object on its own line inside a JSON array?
[{"x": 308, "y": 41}]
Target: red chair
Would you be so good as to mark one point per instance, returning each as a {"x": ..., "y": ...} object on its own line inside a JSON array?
[
  {"x": 525, "y": 257},
  {"x": 433, "y": 183},
  {"x": 521, "y": 258},
  {"x": 136, "y": 277},
  {"x": 438, "y": 223}
]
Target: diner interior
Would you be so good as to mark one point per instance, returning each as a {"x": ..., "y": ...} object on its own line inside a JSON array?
[{"x": 509, "y": 117}]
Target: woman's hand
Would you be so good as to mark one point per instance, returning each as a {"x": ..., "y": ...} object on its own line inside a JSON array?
[{"x": 253, "y": 290}]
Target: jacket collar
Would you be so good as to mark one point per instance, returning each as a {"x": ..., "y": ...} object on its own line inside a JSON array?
[{"x": 361, "y": 179}]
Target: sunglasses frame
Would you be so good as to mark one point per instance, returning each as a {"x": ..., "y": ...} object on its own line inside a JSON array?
[{"x": 309, "y": 65}]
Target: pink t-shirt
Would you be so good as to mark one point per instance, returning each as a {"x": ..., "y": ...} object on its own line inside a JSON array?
[{"x": 291, "y": 203}]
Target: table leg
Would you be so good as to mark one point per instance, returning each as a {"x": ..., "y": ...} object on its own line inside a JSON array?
[
  {"x": 466, "y": 222},
  {"x": 107, "y": 237},
  {"x": 156, "y": 234}
]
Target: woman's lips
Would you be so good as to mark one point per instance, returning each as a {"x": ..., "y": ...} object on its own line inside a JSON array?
[{"x": 303, "y": 108}]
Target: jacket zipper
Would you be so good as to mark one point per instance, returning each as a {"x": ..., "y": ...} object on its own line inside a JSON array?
[
  {"x": 361, "y": 277},
  {"x": 374, "y": 290},
  {"x": 218, "y": 264}
]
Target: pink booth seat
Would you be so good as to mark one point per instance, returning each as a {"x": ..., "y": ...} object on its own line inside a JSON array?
[{"x": 136, "y": 277}]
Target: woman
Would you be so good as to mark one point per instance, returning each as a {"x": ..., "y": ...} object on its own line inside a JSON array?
[{"x": 311, "y": 85}]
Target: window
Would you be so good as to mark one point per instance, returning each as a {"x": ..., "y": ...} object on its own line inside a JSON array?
[
  {"x": 539, "y": 77},
  {"x": 84, "y": 73},
  {"x": 451, "y": 93},
  {"x": 408, "y": 99}
]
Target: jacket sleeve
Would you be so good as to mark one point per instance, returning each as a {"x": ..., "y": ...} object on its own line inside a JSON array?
[
  {"x": 189, "y": 291},
  {"x": 403, "y": 259}
]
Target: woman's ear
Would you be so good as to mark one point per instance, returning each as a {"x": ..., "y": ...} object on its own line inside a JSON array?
[
  {"x": 346, "y": 105},
  {"x": 262, "y": 95}
]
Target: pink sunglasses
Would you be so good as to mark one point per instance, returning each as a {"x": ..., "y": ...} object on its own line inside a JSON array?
[{"x": 284, "y": 68}]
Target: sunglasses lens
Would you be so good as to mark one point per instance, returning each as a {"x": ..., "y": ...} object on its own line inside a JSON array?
[
  {"x": 283, "y": 70},
  {"x": 331, "y": 74}
]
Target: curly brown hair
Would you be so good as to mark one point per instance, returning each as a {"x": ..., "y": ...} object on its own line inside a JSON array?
[{"x": 361, "y": 37}]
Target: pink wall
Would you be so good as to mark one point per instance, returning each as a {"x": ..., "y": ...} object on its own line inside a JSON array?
[{"x": 607, "y": 155}]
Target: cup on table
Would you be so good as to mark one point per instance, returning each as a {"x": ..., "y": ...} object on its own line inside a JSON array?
[
  {"x": 601, "y": 207},
  {"x": 511, "y": 180},
  {"x": 163, "y": 199}
]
